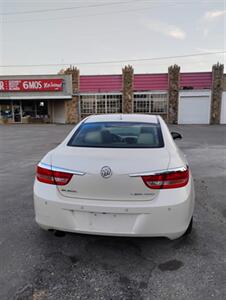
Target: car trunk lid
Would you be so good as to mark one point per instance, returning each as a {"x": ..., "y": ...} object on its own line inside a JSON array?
[{"x": 92, "y": 162}]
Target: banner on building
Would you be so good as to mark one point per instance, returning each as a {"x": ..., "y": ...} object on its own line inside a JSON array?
[{"x": 31, "y": 85}]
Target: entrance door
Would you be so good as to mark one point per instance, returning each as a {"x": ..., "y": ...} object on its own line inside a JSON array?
[{"x": 17, "y": 111}]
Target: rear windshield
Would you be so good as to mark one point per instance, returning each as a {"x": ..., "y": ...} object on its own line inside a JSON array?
[{"x": 118, "y": 135}]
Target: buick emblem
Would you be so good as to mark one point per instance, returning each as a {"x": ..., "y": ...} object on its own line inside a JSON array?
[{"x": 106, "y": 172}]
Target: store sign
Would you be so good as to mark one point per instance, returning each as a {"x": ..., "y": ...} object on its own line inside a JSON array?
[{"x": 31, "y": 85}]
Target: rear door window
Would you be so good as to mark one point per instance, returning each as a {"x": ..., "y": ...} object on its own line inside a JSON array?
[{"x": 118, "y": 135}]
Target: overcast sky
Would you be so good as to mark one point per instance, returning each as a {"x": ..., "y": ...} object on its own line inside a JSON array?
[{"x": 37, "y": 32}]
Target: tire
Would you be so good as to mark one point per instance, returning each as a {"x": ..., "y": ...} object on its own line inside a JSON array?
[{"x": 189, "y": 229}]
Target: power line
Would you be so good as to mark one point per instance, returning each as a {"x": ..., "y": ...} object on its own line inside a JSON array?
[
  {"x": 103, "y": 5},
  {"x": 65, "y": 8},
  {"x": 115, "y": 61},
  {"x": 80, "y": 15},
  {"x": 157, "y": 5}
]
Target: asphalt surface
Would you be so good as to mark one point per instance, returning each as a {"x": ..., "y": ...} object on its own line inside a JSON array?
[{"x": 37, "y": 265}]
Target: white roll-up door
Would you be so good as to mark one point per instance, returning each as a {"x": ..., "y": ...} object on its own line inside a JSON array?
[
  {"x": 223, "y": 109},
  {"x": 194, "y": 108}
]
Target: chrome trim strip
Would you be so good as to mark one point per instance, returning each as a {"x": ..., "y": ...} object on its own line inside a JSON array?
[
  {"x": 181, "y": 169},
  {"x": 44, "y": 165},
  {"x": 55, "y": 168}
]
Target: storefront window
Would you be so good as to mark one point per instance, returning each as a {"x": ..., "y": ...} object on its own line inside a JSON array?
[
  {"x": 23, "y": 110},
  {"x": 42, "y": 109},
  {"x": 6, "y": 110},
  {"x": 35, "y": 109},
  {"x": 28, "y": 108}
]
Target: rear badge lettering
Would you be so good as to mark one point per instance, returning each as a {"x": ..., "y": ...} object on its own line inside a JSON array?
[
  {"x": 69, "y": 191},
  {"x": 142, "y": 194}
]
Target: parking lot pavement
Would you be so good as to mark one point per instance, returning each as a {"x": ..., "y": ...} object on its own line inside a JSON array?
[{"x": 38, "y": 265}]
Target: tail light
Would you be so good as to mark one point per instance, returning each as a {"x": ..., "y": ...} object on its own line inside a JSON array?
[
  {"x": 52, "y": 177},
  {"x": 167, "y": 180}
]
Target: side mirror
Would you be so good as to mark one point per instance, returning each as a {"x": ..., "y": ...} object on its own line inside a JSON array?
[{"x": 176, "y": 135}]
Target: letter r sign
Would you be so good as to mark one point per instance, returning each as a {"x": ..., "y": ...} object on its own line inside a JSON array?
[{"x": 1, "y": 85}]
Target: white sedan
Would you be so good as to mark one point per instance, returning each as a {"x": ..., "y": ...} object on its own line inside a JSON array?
[{"x": 116, "y": 174}]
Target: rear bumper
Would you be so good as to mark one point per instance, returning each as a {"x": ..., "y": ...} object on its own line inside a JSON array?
[{"x": 164, "y": 216}]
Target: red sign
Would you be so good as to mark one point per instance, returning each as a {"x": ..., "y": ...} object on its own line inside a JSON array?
[{"x": 31, "y": 85}]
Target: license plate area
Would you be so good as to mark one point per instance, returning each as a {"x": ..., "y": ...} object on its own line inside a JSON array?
[{"x": 104, "y": 222}]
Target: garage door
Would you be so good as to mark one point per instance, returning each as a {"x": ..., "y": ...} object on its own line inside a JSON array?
[
  {"x": 223, "y": 108},
  {"x": 194, "y": 110}
]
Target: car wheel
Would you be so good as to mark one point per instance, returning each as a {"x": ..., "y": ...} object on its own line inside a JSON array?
[{"x": 189, "y": 229}]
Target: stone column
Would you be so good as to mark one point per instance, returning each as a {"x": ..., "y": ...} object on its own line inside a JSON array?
[
  {"x": 173, "y": 90},
  {"x": 217, "y": 89},
  {"x": 127, "y": 97},
  {"x": 72, "y": 106}
]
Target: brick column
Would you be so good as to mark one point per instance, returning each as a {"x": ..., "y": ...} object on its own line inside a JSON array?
[
  {"x": 173, "y": 90},
  {"x": 217, "y": 89},
  {"x": 72, "y": 106},
  {"x": 127, "y": 97}
]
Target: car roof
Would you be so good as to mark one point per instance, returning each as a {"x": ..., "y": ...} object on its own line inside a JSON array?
[{"x": 123, "y": 118}]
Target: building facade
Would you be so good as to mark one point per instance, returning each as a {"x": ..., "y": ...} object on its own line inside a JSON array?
[
  {"x": 34, "y": 99},
  {"x": 180, "y": 98}
]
